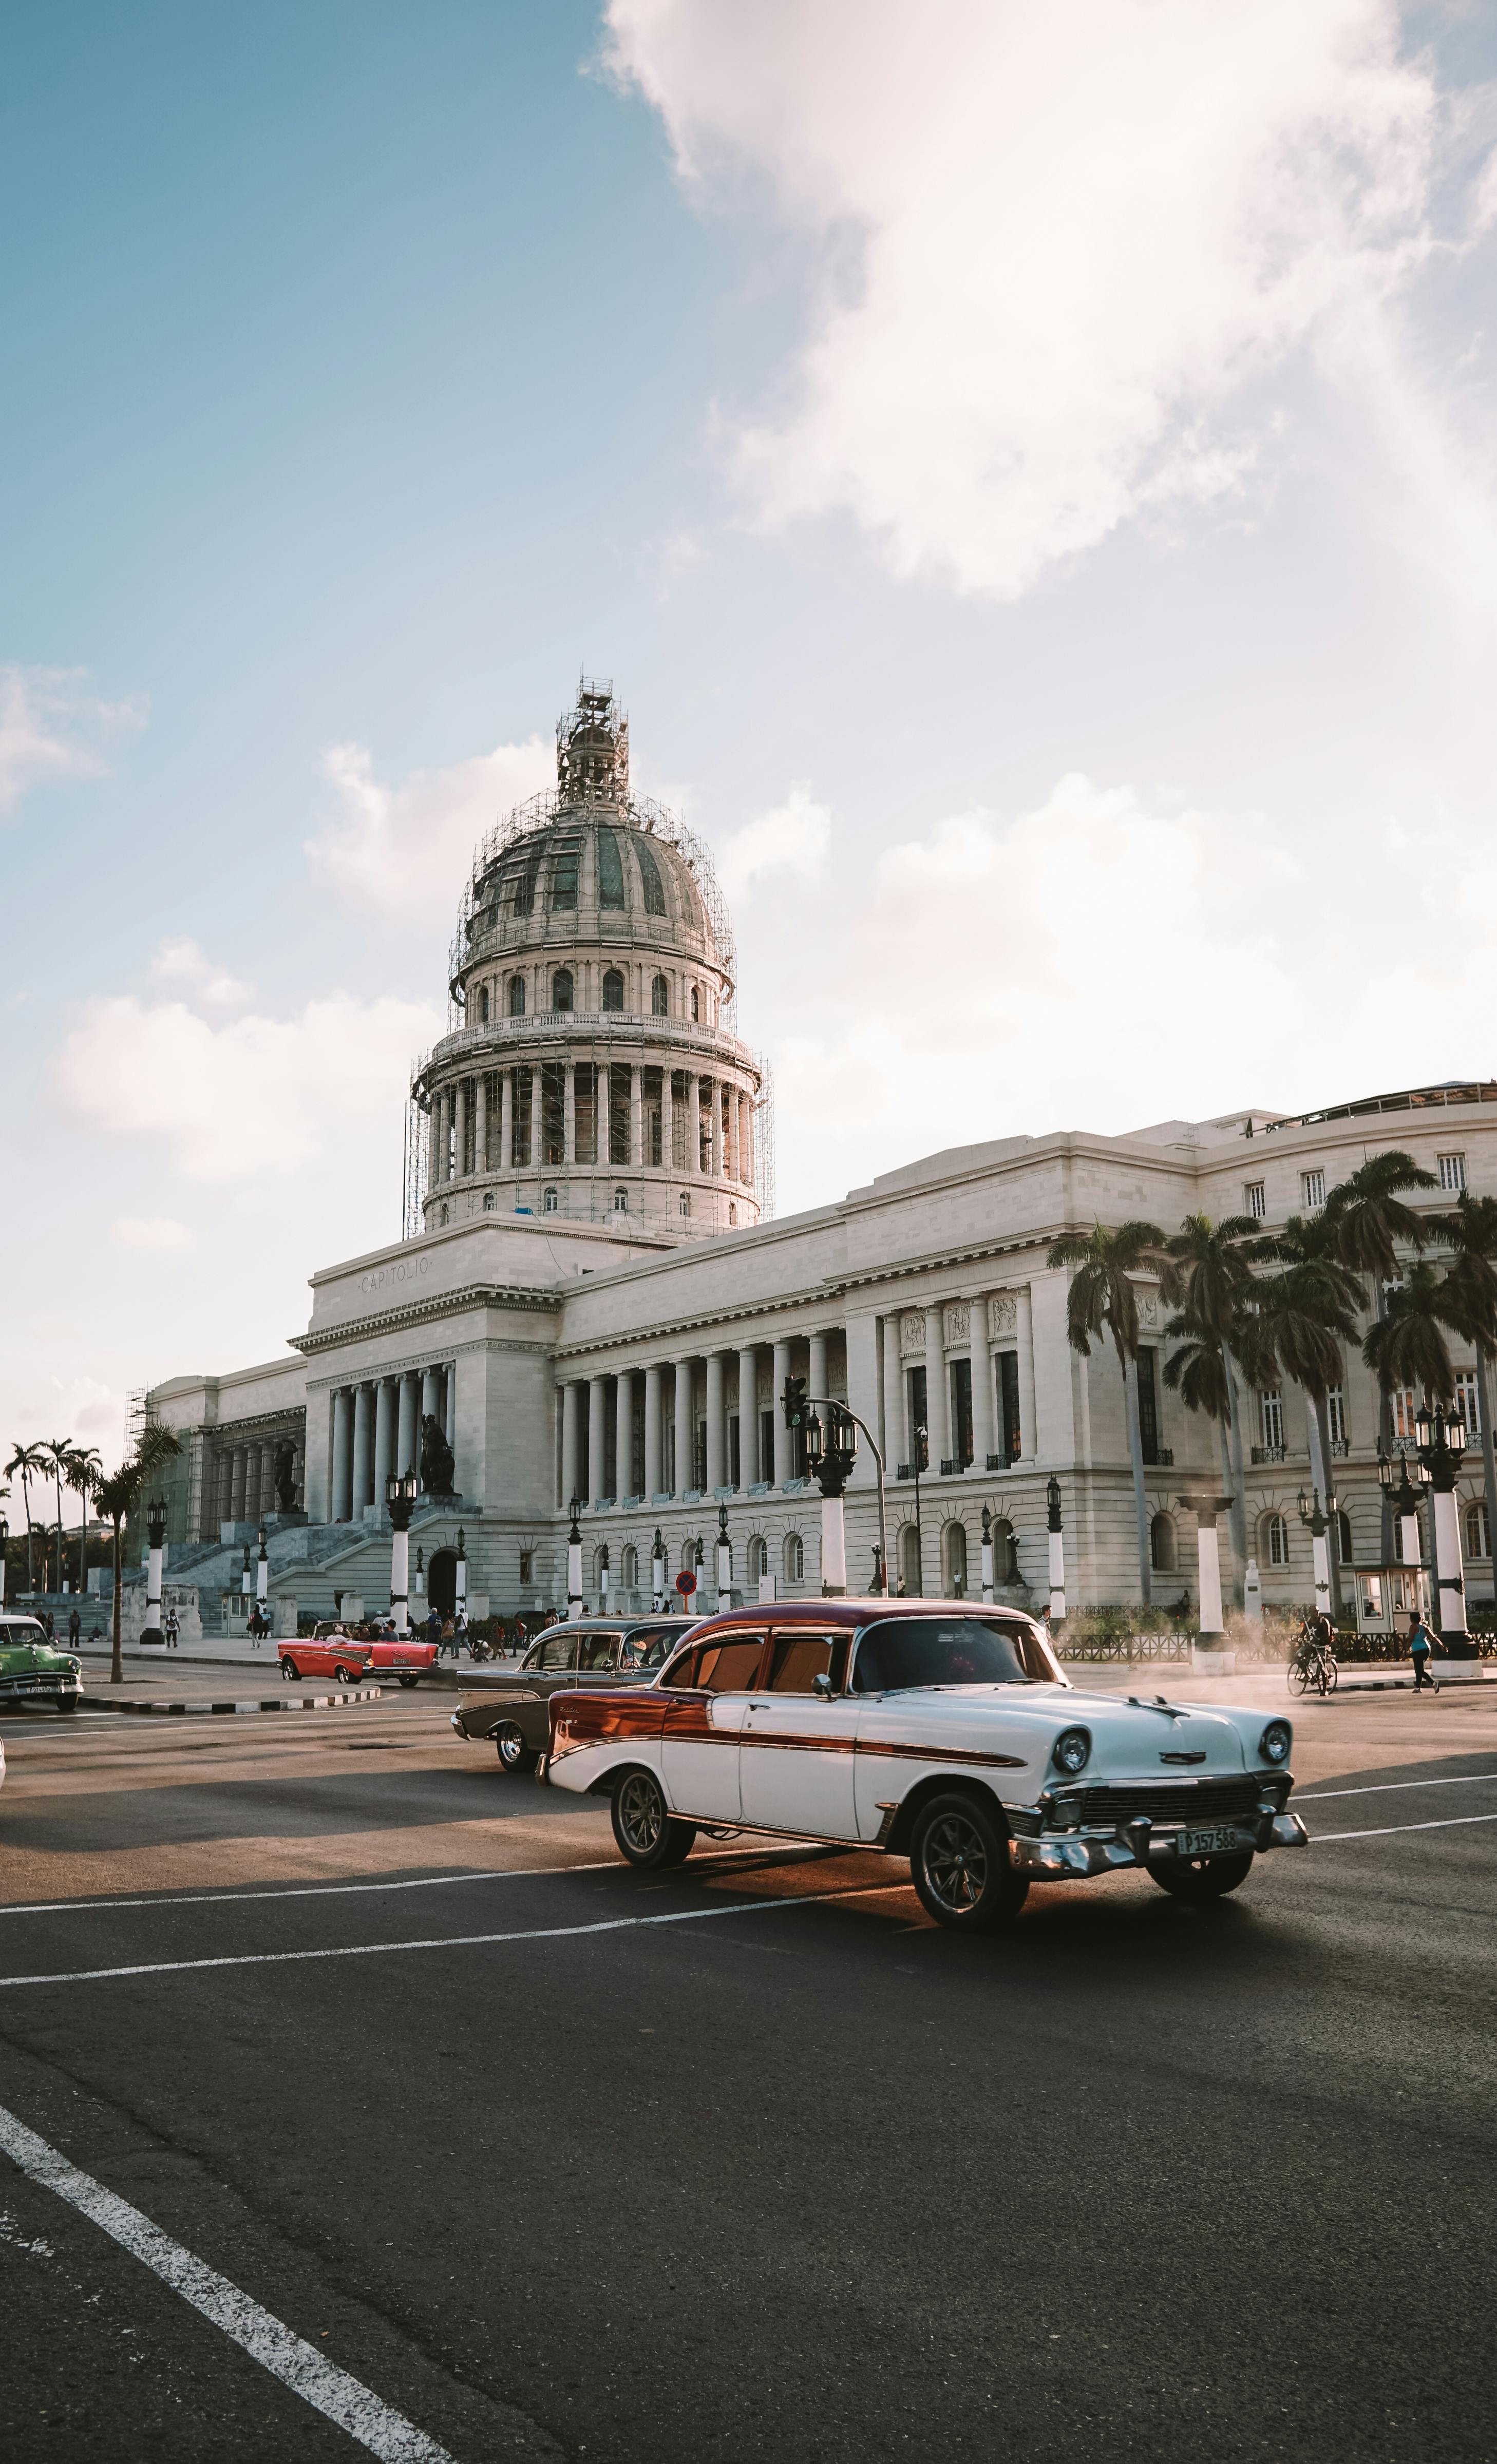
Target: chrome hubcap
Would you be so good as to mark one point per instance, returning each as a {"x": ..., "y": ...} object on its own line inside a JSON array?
[
  {"x": 955, "y": 1864},
  {"x": 511, "y": 1744},
  {"x": 640, "y": 1814}
]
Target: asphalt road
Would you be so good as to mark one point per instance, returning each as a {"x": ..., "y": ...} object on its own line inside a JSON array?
[{"x": 565, "y": 2161}]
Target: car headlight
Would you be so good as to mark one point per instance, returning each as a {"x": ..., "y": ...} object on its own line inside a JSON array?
[
  {"x": 1073, "y": 1748},
  {"x": 1275, "y": 1742}
]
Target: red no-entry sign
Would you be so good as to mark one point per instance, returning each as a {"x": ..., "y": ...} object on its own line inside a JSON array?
[{"x": 686, "y": 1585}]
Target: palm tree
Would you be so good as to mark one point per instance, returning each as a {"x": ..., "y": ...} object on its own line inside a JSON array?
[
  {"x": 1471, "y": 1289},
  {"x": 1302, "y": 1317},
  {"x": 85, "y": 1465},
  {"x": 1208, "y": 1277},
  {"x": 1369, "y": 1220},
  {"x": 116, "y": 1496},
  {"x": 1102, "y": 1295},
  {"x": 1408, "y": 1346},
  {"x": 58, "y": 1452},
  {"x": 28, "y": 1464}
]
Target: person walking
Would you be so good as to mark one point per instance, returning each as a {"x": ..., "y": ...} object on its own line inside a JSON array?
[
  {"x": 172, "y": 1629},
  {"x": 74, "y": 1628},
  {"x": 1421, "y": 1643},
  {"x": 434, "y": 1630}
]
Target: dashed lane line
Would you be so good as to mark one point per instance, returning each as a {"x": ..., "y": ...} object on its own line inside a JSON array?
[
  {"x": 298, "y": 2365},
  {"x": 449, "y": 1942},
  {"x": 1382, "y": 1787},
  {"x": 1450, "y": 1822}
]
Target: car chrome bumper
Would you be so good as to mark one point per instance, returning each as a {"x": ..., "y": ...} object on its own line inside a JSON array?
[{"x": 1059, "y": 1855}]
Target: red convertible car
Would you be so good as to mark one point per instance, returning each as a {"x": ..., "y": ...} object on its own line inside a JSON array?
[{"x": 349, "y": 1658}]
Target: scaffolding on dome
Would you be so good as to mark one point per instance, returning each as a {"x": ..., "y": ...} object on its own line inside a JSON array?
[{"x": 413, "y": 1175}]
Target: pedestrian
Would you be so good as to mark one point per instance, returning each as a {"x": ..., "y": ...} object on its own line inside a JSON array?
[
  {"x": 1421, "y": 1643},
  {"x": 74, "y": 1628},
  {"x": 434, "y": 1630},
  {"x": 172, "y": 1629},
  {"x": 459, "y": 1634}
]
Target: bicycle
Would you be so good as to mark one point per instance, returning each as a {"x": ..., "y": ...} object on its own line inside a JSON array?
[{"x": 1313, "y": 1663}]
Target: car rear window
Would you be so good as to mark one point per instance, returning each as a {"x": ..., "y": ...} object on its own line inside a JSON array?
[
  {"x": 726, "y": 1667},
  {"x": 798, "y": 1657},
  {"x": 950, "y": 1651}
]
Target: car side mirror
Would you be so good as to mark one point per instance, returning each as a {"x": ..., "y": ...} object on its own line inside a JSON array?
[{"x": 822, "y": 1687}]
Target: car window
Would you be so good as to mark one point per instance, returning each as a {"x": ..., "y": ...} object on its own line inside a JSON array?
[
  {"x": 942, "y": 1651},
  {"x": 649, "y": 1646},
  {"x": 798, "y": 1657},
  {"x": 599, "y": 1651},
  {"x": 557, "y": 1651},
  {"x": 22, "y": 1633},
  {"x": 729, "y": 1667},
  {"x": 534, "y": 1656}
]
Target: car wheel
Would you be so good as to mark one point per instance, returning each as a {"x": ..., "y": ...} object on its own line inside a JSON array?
[
  {"x": 960, "y": 1866},
  {"x": 514, "y": 1756},
  {"x": 1200, "y": 1878},
  {"x": 67, "y": 1702},
  {"x": 341, "y": 1676},
  {"x": 407, "y": 1681},
  {"x": 290, "y": 1671},
  {"x": 648, "y": 1833}
]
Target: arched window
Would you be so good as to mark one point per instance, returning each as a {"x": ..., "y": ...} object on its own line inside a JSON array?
[
  {"x": 444, "y": 1214},
  {"x": 1276, "y": 1540},
  {"x": 628, "y": 1567},
  {"x": 910, "y": 1560},
  {"x": 758, "y": 1558},
  {"x": 614, "y": 989},
  {"x": 649, "y": 876},
  {"x": 550, "y": 1202},
  {"x": 696, "y": 1004},
  {"x": 794, "y": 1558},
  {"x": 660, "y": 998},
  {"x": 1005, "y": 1551},
  {"x": 561, "y": 989},
  {"x": 685, "y": 1202},
  {"x": 1477, "y": 1539},
  {"x": 954, "y": 1560},
  {"x": 488, "y": 1202},
  {"x": 517, "y": 996},
  {"x": 621, "y": 1202},
  {"x": 733, "y": 1214},
  {"x": 611, "y": 871},
  {"x": 1162, "y": 1556},
  {"x": 1344, "y": 1536},
  {"x": 483, "y": 1006},
  {"x": 687, "y": 1556}
]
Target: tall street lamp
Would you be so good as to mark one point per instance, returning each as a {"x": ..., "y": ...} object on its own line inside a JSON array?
[
  {"x": 151, "y": 1634},
  {"x": 574, "y": 1562},
  {"x": 401, "y": 1492},
  {"x": 657, "y": 1572},
  {"x": 603, "y": 1580},
  {"x": 1317, "y": 1524},
  {"x": 1440, "y": 1439},
  {"x": 922, "y": 1463},
  {"x": 1052, "y": 1502},
  {"x": 830, "y": 1467},
  {"x": 460, "y": 1575},
  {"x": 987, "y": 1552},
  {"x": 1404, "y": 1493},
  {"x": 262, "y": 1572},
  {"x": 724, "y": 1561}
]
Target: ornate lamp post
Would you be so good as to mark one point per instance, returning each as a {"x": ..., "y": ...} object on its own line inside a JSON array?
[
  {"x": 658, "y": 1573},
  {"x": 724, "y": 1561},
  {"x": 1317, "y": 1524},
  {"x": 246, "y": 1579},
  {"x": 830, "y": 1466},
  {"x": 461, "y": 1576},
  {"x": 987, "y": 1552},
  {"x": 262, "y": 1572},
  {"x": 922, "y": 1463},
  {"x": 603, "y": 1579},
  {"x": 1440, "y": 1439},
  {"x": 1052, "y": 1501},
  {"x": 156, "y": 1541},
  {"x": 574, "y": 1562},
  {"x": 1404, "y": 1493},
  {"x": 401, "y": 1492}
]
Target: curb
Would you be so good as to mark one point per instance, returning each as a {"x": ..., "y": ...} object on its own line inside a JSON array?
[{"x": 277, "y": 1703}]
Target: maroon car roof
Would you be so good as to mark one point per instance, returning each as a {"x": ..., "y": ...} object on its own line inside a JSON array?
[{"x": 849, "y": 1612}]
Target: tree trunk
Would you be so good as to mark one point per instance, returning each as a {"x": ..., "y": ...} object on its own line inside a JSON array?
[
  {"x": 1238, "y": 1485},
  {"x": 26, "y": 1500},
  {"x": 1136, "y": 1457},
  {"x": 1378, "y": 1311},
  {"x": 1490, "y": 1472},
  {"x": 1320, "y": 1406},
  {"x": 117, "y": 1664}
]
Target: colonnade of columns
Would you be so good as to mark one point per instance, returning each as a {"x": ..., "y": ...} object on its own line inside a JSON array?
[
  {"x": 1002, "y": 1404},
  {"x": 661, "y": 1133},
  {"x": 377, "y": 1431},
  {"x": 696, "y": 1428},
  {"x": 244, "y": 1480}
]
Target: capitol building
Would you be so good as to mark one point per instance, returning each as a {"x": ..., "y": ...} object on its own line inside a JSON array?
[{"x": 593, "y": 1298}]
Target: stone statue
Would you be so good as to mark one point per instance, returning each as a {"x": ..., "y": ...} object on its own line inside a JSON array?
[
  {"x": 436, "y": 1458},
  {"x": 284, "y": 1473}
]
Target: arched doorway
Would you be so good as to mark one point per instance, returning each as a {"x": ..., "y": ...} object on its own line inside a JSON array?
[
  {"x": 442, "y": 1581},
  {"x": 954, "y": 1560},
  {"x": 910, "y": 1560}
]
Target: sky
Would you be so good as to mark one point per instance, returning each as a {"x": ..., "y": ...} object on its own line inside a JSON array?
[{"x": 1027, "y": 469}]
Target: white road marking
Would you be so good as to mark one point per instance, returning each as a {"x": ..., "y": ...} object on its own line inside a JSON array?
[
  {"x": 449, "y": 1941},
  {"x": 1452, "y": 1822},
  {"x": 1381, "y": 1787},
  {"x": 298, "y": 2365}
]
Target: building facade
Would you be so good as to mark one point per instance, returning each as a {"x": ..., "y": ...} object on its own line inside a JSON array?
[{"x": 593, "y": 1301}]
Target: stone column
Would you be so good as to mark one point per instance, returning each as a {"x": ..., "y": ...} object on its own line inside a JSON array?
[
  {"x": 693, "y": 1122},
  {"x": 1028, "y": 1435},
  {"x": 623, "y": 1435},
  {"x": 449, "y": 1398},
  {"x": 571, "y": 1465},
  {"x": 383, "y": 1436},
  {"x": 506, "y": 1121},
  {"x": 684, "y": 1427},
  {"x": 408, "y": 1447},
  {"x": 936, "y": 1412},
  {"x": 596, "y": 1457},
  {"x": 537, "y": 1135},
  {"x": 460, "y": 1129},
  {"x": 746, "y": 1140},
  {"x": 265, "y": 1500},
  {"x": 816, "y": 1371},
  {"x": 716, "y": 1424},
  {"x": 434, "y": 1142},
  {"x": 668, "y": 1133},
  {"x": 783, "y": 1466},
  {"x": 569, "y": 1111},
  {"x": 731, "y": 1142},
  {"x": 480, "y": 1122},
  {"x": 749, "y": 1472},
  {"x": 432, "y": 1394},
  {"x": 636, "y": 1117},
  {"x": 364, "y": 1445},
  {"x": 717, "y": 1129},
  {"x": 342, "y": 1510},
  {"x": 240, "y": 1460},
  {"x": 982, "y": 1444},
  {"x": 654, "y": 1473}
]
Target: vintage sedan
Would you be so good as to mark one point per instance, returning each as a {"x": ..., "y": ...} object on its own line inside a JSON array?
[
  {"x": 31, "y": 1670},
  {"x": 514, "y": 1708},
  {"x": 942, "y": 1731}
]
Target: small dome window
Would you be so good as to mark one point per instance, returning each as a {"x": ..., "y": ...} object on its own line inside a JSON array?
[
  {"x": 483, "y": 1006},
  {"x": 650, "y": 877},
  {"x": 488, "y": 1202},
  {"x": 614, "y": 989},
  {"x": 697, "y": 1004},
  {"x": 660, "y": 998},
  {"x": 517, "y": 996},
  {"x": 732, "y": 1215},
  {"x": 621, "y": 1202},
  {"x": 561, "y": 989},
  {"x": 685, "y": 1202},
  {"x": 550, "y": 1202},
  {"x": 611, "y": 871}
]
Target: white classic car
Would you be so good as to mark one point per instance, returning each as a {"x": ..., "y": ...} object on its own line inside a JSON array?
[{"x": 937, "y": 1730}]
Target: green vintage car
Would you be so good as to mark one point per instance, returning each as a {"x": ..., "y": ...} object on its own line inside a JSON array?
[{"x": 31, "y": 1671}]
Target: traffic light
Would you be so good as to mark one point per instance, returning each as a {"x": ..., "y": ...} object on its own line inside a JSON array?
[
  {"x": 922, "y": 1450},
  {"x": 795, "y": 1404}
]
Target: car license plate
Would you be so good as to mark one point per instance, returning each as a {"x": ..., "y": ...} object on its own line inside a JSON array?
[{"x": 1219, "y": 1841}]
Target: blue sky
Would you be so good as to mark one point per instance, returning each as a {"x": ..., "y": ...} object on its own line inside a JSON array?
[{"x": 1028, "y": 474}]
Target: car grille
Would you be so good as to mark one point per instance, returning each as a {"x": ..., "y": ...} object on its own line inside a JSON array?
[{"x": 1207, "y": 1800}]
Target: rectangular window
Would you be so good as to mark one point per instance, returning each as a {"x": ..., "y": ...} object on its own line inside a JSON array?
[
  {"x": 700, "y": 1456},
  {"x": 1465, "y": 1402},
  {"x": 1452, "y": 1172},
  {"x": 961, "y": 1413},
  {"x": 526, "y": 1567},
  {"x": 611, "y": 871},
  {"x": 1253, "y": 1202},
  {"x": 563, "y": 875},
  {"x": 766, "y": 1447},
  {"x": 1010, "y": 1433},
  {"x": 1401, "y": 1408},
  {"x": 1335, "y": 1413},
  {"x": 1148, "y": 1406},
  {"x": 587, "y": 1112},
  {"x": 1274, "y": 1419},
  {"x": 1312, "y": 1189},
  {"x": 917, "y": 1401}
]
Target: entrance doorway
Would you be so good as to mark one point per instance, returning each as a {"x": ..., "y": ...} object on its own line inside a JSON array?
[
  {"x": 910, "y": 1560},
  {"x": 442, "y": 1581}
]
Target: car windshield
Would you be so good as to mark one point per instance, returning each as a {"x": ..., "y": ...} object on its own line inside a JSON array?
[{"x": 951, "y": 1651}]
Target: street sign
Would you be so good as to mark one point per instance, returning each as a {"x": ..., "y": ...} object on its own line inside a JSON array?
[{"x": 686, "y": 1585}]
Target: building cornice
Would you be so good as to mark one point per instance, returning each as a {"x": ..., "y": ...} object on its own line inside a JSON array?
[{"x": 487, "y": 1296}]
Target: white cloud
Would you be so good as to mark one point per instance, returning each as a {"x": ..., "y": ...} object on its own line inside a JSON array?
[
  {"x": 52, "y": 729},
  {"x": 408, "y": 849},
  {"x": 788, "y": 844},
  {"x": 181, "y": 961},
  {"x": 249, "y": 1099},
  {"x": 150, "y": 1232},
  {"x": 1059, "y": 243}
]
